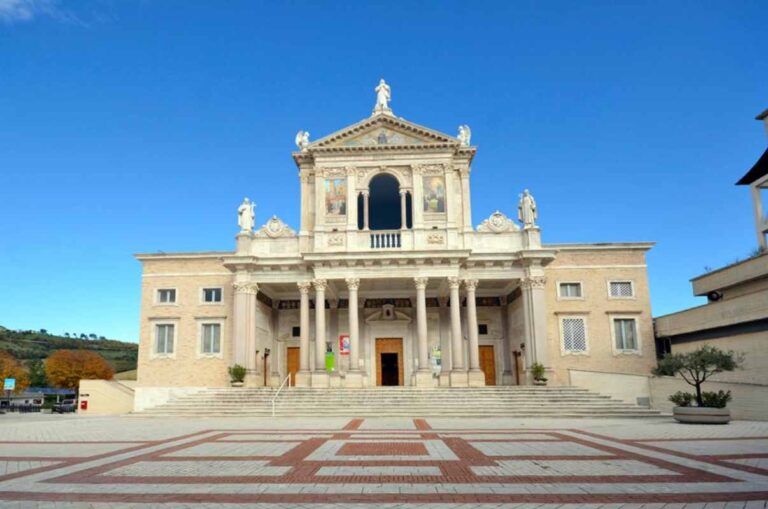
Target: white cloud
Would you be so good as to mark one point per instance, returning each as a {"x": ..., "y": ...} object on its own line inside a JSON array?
[{"x": 19, "y": 11}]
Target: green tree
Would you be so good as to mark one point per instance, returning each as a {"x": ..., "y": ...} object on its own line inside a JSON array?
[
  {"x": 36, "y": 371},
  {"x": 698, "y": 366}
]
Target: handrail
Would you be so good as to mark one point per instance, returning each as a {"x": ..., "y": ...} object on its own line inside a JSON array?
[{"x": 286, "y": 379}]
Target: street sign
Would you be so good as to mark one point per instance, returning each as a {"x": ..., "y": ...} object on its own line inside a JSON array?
[{"x": 10, "y": 384}]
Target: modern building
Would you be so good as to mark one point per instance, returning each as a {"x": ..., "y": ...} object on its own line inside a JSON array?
[
  {"x": 387, "y": 281},
  {"x": 736, "y": 314}
]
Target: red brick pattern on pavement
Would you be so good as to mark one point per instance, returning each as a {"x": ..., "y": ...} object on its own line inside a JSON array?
[{"x": 416, "y": 465}]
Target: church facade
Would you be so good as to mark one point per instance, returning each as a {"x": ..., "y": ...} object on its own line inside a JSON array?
[{"x": 387, "y": 281}]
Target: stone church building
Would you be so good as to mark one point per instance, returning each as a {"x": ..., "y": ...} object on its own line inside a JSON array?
[{"x": 388, "y": 281}]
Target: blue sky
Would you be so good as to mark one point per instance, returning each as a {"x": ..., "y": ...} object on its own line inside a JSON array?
[{"x": 138, "y": 126}]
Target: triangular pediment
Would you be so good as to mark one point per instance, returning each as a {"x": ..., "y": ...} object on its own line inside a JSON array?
[{"x": 384, "y": 130}]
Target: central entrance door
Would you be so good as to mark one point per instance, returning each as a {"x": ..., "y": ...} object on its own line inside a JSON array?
[
  {"x": 389, "y": 361},
  {"x": 293, "y": 363},
  {"x": 488, "y": 364}
]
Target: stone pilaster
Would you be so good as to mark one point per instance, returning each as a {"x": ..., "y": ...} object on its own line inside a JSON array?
[{"x": 535, "y": 319}]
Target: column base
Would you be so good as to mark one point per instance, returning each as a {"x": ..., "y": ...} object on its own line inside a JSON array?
[
  {"x": 354, "y": 379},
  {"x": 507, "y": 378},
  {"x": 476, "y": 378},
  {"x": 303, "y": 379},
  {"x": 459, "y": 379},
  {"x": 320, "y": 379},
  {"x": 423, "y": 378}
]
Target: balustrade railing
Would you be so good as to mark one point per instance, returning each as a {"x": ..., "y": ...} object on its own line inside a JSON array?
[{"x": 386, "y": 240}]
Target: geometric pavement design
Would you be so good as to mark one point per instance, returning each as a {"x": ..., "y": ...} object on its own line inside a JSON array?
[{"x": 419, "y": 465}]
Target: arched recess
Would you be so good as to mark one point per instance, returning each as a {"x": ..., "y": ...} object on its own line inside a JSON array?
[{"x": 384, "y": 203}]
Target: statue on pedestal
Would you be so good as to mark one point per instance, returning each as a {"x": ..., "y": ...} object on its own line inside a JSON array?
[
  {"x": 465, "y": 135},
  {"x": 302, "y": 140},
  {"x": 383, "y": 96},
  {"x": 526, "y": 210},
  {"x": 246, "y": 216}
]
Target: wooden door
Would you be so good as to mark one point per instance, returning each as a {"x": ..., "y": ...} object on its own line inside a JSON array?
[
  {"x": 389, "y": 346},
  {"x": 488, "y": 364},
  {"x": 293, "y": 363}
]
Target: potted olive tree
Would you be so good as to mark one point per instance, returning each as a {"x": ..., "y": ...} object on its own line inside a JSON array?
[
  {"x": 537, "y": 370},
  {"x": 695, "y": 368},
  {"x": 236, "y": 375}
]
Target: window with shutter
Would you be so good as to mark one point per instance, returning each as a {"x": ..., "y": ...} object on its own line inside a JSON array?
[
  {"x": 621, "y": 289},
  {"x": 574, "y": 332}
]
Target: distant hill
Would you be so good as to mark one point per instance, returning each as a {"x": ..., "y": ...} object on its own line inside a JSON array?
[{"x": 31, "y": 345}]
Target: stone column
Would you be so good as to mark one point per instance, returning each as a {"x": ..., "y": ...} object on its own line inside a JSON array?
[
  {"x": 507, "y": 376},
  {"x": 403, "y": 214},
  {"x": 303, "y": 376},
  {"x": 535, "y": 321},
  {"x": 458, "y": 374},
  {"x": 366, "y": 195},
  {"x": 320, "y": 375},
  {"x": 245, "y": 328},
  {"x": 423, "y": 376},
  {"x": 354, "y": 377},
  {"x": 476, "y": 375}
]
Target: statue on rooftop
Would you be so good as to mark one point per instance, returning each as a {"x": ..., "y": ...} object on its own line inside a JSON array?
[
  {"x": 383, "y": 96},
  {"x": 465, "y": 135},
  {"x": 302, "y": 140},
  {"x": 246, "y": 216},
  {"x": 526, "y": 210}
]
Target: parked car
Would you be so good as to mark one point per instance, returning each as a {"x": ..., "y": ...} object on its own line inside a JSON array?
[{"x": 67, "y": 405}]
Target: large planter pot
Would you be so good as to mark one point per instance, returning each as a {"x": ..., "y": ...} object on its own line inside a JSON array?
[
  {"x": 701, "y": 415},
  {"x": 237, "y": 384},
  {"x": 539, "y": 382}
]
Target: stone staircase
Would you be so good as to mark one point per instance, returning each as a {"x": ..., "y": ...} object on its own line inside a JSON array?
[{"x": 515, "y": 401}]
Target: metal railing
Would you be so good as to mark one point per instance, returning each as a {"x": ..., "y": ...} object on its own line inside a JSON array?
[
  {"x": 274, "y": 398},
  {"x": 386, "y": 240}
]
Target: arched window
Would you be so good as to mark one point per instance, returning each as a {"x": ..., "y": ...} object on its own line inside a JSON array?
[{"x": 384, "y": 204}]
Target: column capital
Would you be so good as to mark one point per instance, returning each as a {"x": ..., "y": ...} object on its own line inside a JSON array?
[
  {"x": 365, "y": 193},
  {"x": 454, "y": 282},
  {"x": 403, "y": 191},
  {"x": 246, "y": 287},
  {"x": 320, "y": 284},
  {"x": 353, "y": 283},
  {"x": 470, "y": 284},
  {"x": 531, "y": 282},
  {"x": 304, "y": 287},
  {"x": 420, "y": 282}
]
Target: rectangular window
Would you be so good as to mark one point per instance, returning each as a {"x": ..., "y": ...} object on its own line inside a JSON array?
[
  {"x": 211, "y": 338},
  {"x": 164, "y": 339},
  {"x": 211, "y": 295},
  {"x": 166, "y": 296},
  {"x": 482, "y": 329},
  {"x": 296, "y": 332},
  {"x": 570, "y": 290},
  {"x": 621, "y": 289},
  {"x": 625, "y": 331},
  {"x": 574, "y": 334}
]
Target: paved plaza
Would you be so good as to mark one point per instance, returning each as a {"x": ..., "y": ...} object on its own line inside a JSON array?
[{"x": 70, "y": 461}]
